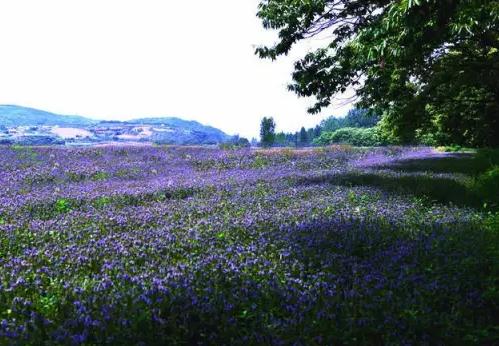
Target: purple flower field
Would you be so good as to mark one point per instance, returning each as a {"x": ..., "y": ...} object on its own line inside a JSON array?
[{"x": 179, "y": 245}]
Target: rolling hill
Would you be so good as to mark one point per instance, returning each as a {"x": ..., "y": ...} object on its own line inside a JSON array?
[
  {"x": 14, "y": 116},
  {"x": 165, "y": 130},
  {"x": 182, "y": 131}
]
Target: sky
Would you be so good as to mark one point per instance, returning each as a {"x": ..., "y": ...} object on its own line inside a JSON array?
[{"x": 122, "y": 59}]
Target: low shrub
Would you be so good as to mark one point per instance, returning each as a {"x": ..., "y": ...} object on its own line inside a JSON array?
[
  {"x": 487, "y": 186},
  {"x": 364, "y": 137}
]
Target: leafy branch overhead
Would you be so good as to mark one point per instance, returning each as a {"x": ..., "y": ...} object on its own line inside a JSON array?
[{"x": 428, "y": 65}]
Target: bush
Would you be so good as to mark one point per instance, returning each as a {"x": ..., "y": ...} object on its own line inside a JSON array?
[
  {"x": 235, "y": 142},
  {"x": 429, "y": 139},
  {"x": 449, "y": 149},
  {"x": 364, "y": 137},
  {"x": 487, "y": 185}
]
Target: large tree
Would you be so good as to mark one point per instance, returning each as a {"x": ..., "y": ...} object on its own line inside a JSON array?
[
  {"x": 303, "y": 137},
  {"x": 431, "y": 67},
  {"x": 267, "y": 132}
]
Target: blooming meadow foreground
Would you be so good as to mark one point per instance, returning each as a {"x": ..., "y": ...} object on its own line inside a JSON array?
[{"x": 155, "y": 245}]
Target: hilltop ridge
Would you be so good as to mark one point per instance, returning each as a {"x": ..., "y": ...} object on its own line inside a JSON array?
[{"x": 24, "y": 125}]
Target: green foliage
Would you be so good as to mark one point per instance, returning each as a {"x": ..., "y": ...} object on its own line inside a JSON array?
[
  {"x": 267, "y": 132},
  {"x": 303, "y": 136},
  {"x": 235, "y": 142},
  {"x": 25, "y": 153},
  {"x": 487, "y": 186},
  {"x": 354, "y": 118},
  {"x": 430, "y": 67},
  {"x": 103, "y": 201},
  {"x": 450, "y": 149},
  {"x": 281, "y": 139},
  {"x": 365, "y": 137},
  {"x": 62, "y": 206},
  {"x": 243, "y": 143},
  {"x": 260, "y": 162},
  {"x": 357, "y": 128},
  {"x": 100, "y": 176}
]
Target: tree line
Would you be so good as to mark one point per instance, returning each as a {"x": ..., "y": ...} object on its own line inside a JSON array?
[{"x": 355, "y": 122}]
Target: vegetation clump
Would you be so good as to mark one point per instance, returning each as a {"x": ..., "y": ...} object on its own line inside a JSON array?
[{"x": 362, "y": 137}]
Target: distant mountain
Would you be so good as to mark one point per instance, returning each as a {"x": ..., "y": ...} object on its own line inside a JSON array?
[
  {"x": 182, "y": 131},
  {"x": 14, "y": 116},
  {"x": 30, "y": 126}
]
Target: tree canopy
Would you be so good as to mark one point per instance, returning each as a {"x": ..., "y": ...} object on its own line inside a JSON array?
[
  {"x": 431, "y": 67},
  {"x": 354, "y": 118}
]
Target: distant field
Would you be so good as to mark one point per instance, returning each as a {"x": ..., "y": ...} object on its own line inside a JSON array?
[{"x": 191, "y": 245}]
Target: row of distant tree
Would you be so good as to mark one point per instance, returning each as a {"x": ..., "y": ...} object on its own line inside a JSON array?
[{"x": 356, "y": 118}]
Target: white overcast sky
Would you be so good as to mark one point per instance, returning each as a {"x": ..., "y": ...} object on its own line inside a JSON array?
[{"x": 119, "y": 59}]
